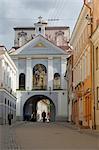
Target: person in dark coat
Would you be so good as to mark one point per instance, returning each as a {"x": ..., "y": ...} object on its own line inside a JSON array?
[
  {"x": 10, "y": 117},
  {"x": 44, "y": 116},
  {"x": 33, "y": 117}
]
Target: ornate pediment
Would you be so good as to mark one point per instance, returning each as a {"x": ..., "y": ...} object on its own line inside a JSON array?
[{"x": 39, "y": 44}]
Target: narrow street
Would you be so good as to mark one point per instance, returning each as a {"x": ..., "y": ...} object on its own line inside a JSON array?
[{"x": 46, "y": 136}]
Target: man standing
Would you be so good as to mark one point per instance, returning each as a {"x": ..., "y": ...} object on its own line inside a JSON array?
[
  {"x": 10, "y": 116},
  {"x": 43, "y": 115}
]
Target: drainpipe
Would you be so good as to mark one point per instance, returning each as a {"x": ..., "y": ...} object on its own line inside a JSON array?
[{"x": 92, "y": 63}]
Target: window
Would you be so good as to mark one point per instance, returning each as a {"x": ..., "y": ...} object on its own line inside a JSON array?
[
  {"x": 5, "y": 101},
  {"x": 8, "y": 102},
  {"x": 39, "y": 30},
  {"x": 22, "y": 81},
  {"x": 97, "y": 58},
  {"x": 97, "y": 97},
  {"x": 56, "y": 81}
]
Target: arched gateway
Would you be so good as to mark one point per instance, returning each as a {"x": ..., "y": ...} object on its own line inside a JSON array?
[{"x": 37, "y": 104}]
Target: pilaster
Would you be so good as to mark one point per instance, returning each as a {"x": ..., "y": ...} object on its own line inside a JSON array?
[
  {"x": 63, "y": 70},
  {"x": 2, "y": 72},
  {"x": 50, "y": 73},
  {"x": 17, "y": 76},
  {"x": 28, "y": 74}
]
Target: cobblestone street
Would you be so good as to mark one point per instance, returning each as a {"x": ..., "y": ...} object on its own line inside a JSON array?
[{"x": 43, "y": 136}]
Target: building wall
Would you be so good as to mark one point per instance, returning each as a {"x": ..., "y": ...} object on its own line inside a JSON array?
[
  {"x": 58, "y": 66},
  {"x": 95, "y": 14},
  {"x": 52, "y": 34},
  {"x": 41, "y": 107},
  {"x": 53, "y": 62},
  {"x": 57, "y": 97},
  {"x": 69, "y": 78},
  {"x": 8, "y": 73},
  {"x": 82, "y": 71},
  {"x": 7, "y": 105},
  {"x": 85, "y": 74},
  {"x": 95, "y": 40},
  {"x": 7, "y": 86}
]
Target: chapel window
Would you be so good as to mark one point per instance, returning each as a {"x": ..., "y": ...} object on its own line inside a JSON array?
[
  {"x": 57, "y": 82},
  {"x": 22, "y": 81},
  {"x": 40, "y": 30}
]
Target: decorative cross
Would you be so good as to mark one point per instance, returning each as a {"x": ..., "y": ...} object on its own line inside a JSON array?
[{"x": 40, "y": 19}]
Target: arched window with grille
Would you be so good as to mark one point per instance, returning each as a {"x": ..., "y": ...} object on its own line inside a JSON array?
[
  {"x": 22, "y": 81},
  {"x": 57, "y": 81}
]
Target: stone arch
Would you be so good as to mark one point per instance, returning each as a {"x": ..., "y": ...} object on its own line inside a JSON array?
[
  {"x": 30, "y": 106},
  {"x": 39, "y": 77}
]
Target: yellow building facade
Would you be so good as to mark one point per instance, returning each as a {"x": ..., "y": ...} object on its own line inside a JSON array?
[
  {"x": 85, "y": 110},
  {"x": 82, "y": 103},
  {"x": 95, "y": 41}
]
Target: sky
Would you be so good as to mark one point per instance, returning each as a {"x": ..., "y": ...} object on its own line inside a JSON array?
[{"x": 16, "y": 13}]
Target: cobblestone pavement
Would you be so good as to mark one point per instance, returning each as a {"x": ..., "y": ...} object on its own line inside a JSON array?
[
  {"x": 90, "y": 132},
  {"x": 47, "y": 136},
  {"x": 7, "y": 138}
]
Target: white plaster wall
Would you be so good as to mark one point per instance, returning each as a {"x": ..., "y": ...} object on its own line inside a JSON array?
[
  {"x": 50, "y": 74},
  {"x": 22, "y": 66},
  {"x": 59, "y": 99},
  {"x": 70, "y": 110},
  {"x": 62, "y": 104},
  {"x": 41, "y": 107},
  {"x": 50, "y": 34},
  {"x": 97, "y": 119},
  {"x": 63, "y": 71},
  {"x": 39, "y": 61},
  {"x": 57, "y": 65}
]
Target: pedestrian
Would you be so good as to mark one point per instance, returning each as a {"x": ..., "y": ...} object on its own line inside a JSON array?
[
  {"x": 48, "y": 116},
  {"x": 33, "y": 118},
  {"x": 10, "y": 117},
  {"x": 44, "y": 116}
]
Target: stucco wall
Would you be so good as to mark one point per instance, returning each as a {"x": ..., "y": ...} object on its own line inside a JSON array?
[
  {"x": 5, "y": 109},
  {"x": 59, "y": 99}
]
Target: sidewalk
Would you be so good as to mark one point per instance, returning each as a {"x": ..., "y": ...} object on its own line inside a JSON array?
[
  {"x": 7, "y": 140},
  {"x": 85, "y": 131}
]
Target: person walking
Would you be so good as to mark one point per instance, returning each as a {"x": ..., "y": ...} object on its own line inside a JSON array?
[
  {"x": 10, "y": 117},
  {"x": 44, "y": 116},
  {"x": 33, "y": 117},
  {"x": 48, "y": 116}
]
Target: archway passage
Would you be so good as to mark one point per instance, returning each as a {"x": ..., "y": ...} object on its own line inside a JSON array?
[{"x": 34, "y": 107}]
